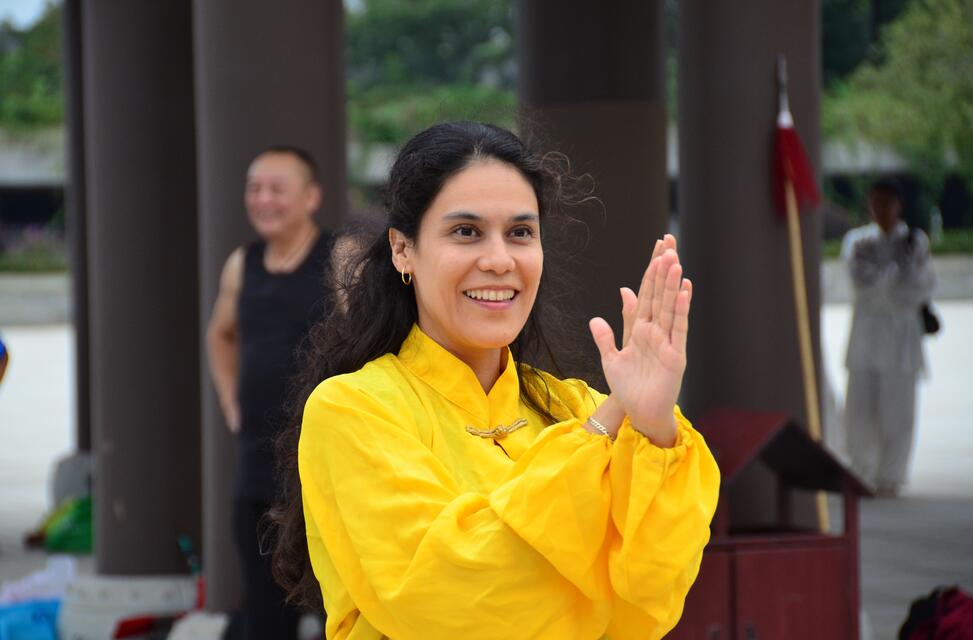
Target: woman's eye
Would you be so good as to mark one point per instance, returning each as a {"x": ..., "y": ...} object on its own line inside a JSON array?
[
  {"x": 465, "y": 232},
  {"x": 522, "y": 233}
]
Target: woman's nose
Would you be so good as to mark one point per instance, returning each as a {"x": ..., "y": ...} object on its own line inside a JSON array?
[{"x": 496, "y": 256}]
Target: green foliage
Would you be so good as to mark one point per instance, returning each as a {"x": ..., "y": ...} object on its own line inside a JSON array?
[
  {"x": 30, "y": 73},
  {"x": 846, "y": 26},
  {"x": 414, "y": 63},
  {"x": 918, "y": 98},
  {"x": 849, "y": 33},
  {"x": 953, "y": 242},
  {"x": 391, "y": 114},
  {"x": 39, "y": 250},
  {"x": 852, "y": 197},
  {"x": 429, "y": 42},
  {"x": 831, "y": 248}
]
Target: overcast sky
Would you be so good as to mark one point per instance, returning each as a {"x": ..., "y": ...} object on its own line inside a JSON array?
[{"x": 22, "y": 13}]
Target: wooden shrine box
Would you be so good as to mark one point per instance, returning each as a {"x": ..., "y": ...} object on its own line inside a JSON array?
[{"x": 779, "y": 583}]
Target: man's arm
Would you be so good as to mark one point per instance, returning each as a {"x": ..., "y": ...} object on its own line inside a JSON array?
[{"x": 223, "y": 341}]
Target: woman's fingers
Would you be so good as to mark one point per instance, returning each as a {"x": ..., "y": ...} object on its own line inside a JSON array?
[
  {"x": 643, "y": 310},
  {"x": 657, "y": 249},
  {"x": 629, "y": 304},
  {"x": 670, "y": 291},
  {"x": 644, "y": 307},
  {"x": 653, "y": 279},
  {"x": 669, "y": 242},
  {"x": 604, "y": 338},
  {"x": 680, "y": 325},
  {"x": 665, "y": 262}
]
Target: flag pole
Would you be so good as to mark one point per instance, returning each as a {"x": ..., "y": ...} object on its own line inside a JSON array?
[
  {"x": 786, "y": 121},
  {"x": 809, "y": 374},
  {"x": 803, "y": 321}
]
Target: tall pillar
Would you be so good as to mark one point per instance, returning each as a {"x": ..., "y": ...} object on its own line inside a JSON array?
[
  {"x": 77, "y": 224},
  {"x": 266, "y": 74},
  {"x": 743, "y": 333},
  {"x": 140, "y": 162},
  {"x": 592, "y": 84}
]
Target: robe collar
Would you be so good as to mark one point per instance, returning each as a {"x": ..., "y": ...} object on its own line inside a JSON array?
[{"x": 453, "y": 379}]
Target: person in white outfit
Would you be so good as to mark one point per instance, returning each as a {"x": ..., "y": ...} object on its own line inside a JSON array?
[{"x": 892, "y": 276}]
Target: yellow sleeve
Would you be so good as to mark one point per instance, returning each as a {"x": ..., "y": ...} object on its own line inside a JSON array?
[
  {"x": 422, "y": 559},
  {"x": 662, "y": 503}
]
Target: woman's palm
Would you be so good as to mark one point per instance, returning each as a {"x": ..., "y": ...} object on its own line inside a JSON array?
[{"x": 645, "y": 375}]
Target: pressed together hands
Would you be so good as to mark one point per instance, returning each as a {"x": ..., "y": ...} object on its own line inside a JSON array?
[{"x": 645, "y": 375}]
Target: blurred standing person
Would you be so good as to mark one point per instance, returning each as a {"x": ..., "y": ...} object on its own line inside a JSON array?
[
  {"x": 271, "y": 292},
  {"x": 891, "y": 274}
]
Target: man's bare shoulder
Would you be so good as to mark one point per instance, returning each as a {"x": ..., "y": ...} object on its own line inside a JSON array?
[{"x": 232, "y": 277}]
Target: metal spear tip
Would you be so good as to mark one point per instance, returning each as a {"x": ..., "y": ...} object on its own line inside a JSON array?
[
  {"x": 782, "y": 71},
  {"x": 784, "y": 118}
]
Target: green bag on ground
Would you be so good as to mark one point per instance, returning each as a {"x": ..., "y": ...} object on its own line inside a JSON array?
[{"x": 69, "y": 527}]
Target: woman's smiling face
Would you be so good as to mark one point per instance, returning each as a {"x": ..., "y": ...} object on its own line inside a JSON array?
[{"x": 477, "y": 259}]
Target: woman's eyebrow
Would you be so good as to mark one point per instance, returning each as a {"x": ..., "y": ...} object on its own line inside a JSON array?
[
  {"x": 526, "y": 217},
  {"x": 469, "y": 215},
  {"x": 462, "y": 215}
]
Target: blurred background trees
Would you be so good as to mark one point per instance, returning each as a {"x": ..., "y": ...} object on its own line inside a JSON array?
[
  {"x": 412, "y": 63},
  {"x": 912, "y": 91},
  {"x": 30, "y": 73},
  {"x": 897, "y": 76}
]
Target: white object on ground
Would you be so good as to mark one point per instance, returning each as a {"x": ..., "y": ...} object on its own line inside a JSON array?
[
  {"x": 200, "y": 625},
  {"x": 93, "y": 605},
  {"x": 48, "y": 583}
]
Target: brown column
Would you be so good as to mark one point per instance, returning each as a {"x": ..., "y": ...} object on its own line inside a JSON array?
[
  {"x": 140, "y": 165},
  {"x": 743, "y": 336},
  {"x": 266, "y": 73},
  {"x": 592, "y": 82},
  {"x": 77, "y": 223}
]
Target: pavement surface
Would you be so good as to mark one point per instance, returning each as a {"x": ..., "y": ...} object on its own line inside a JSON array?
[{"x": 910, "y": 544}]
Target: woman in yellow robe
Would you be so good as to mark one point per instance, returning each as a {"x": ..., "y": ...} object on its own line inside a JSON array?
[{"x": 449, "y": 489}]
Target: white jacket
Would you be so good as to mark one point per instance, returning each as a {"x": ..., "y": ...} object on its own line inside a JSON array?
[{"x": 892, "y": 276}]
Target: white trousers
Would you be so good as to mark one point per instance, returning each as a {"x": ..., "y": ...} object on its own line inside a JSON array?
[{"x": 879, "y": 425}]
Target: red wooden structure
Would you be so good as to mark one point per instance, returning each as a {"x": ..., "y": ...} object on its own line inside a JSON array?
[{"x": 780, "y": 582}]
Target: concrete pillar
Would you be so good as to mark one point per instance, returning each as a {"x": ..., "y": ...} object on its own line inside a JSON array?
[
  {"x": 140, "y": 165},
  {"x": 592, "y": 85},
  {"x": 266, "y": 73},
  {"x": 743, "y": 341},
  {"x": 77, "y": 224}
]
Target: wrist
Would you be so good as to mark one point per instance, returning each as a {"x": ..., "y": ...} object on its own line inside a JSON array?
[
  {"x": 608, "y": 416},
  {"x": 661, "y": 432}
]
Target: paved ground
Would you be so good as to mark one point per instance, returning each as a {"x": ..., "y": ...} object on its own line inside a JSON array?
[{"x": 909, "y": 545}]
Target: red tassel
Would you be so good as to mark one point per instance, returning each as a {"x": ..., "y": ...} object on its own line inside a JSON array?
[{"x": 791, "y": 163}]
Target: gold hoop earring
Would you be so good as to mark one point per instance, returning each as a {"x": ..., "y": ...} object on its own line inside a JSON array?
[{"x": 406, "y": 278}]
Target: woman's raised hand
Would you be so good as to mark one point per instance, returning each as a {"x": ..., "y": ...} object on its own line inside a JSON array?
[{"x": 645, "y": 375}]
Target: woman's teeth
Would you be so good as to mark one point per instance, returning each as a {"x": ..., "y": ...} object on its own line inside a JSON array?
[{"x": 492, "y": 295}]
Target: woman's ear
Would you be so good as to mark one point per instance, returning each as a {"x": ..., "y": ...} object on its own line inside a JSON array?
[{"x": 401, "y": 251}]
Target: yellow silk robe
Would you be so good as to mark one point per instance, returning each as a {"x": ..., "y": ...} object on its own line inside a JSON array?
[{"x": 418, "y": 529}]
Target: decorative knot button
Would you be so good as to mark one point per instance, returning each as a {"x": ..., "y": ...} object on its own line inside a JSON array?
[{"x": 500, "y": 431}]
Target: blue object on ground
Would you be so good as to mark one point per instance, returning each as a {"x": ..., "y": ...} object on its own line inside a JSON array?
[{"x": 33, "y": 620}]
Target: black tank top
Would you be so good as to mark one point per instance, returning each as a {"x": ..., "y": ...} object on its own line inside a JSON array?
[{"x": 275, "y": 313}]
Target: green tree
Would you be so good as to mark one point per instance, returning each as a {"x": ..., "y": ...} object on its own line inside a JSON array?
[
  {"x": 850, "y": 33},
  {"x": 430, "y": 42},
  {"x": 413, "y": 62},
  {"x": 30, "y": 73},
  {"x": 917, "y": 97}
]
